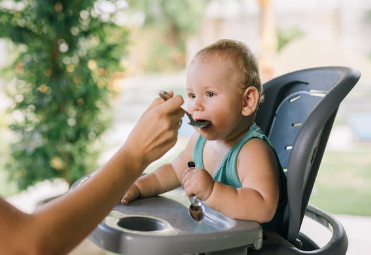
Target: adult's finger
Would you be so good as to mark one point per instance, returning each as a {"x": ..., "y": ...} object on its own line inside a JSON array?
[
  {"x": 173, "y": 104},
  {"x": 156, "y": 102}
]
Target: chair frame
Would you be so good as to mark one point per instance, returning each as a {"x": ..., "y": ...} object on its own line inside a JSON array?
[{"x": 307, "y": 151}]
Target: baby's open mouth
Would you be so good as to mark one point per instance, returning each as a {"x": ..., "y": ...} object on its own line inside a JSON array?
[{"x": 203, "y": 123}]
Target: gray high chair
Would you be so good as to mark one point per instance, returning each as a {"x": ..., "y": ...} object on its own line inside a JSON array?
[{"x": 297, "y": 115}]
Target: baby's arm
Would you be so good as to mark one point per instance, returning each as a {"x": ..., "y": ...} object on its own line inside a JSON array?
[
  {"x": 164, "y": 178},
  {"x": 258, "y": 197},
  {"x": 159, "y": 181}
]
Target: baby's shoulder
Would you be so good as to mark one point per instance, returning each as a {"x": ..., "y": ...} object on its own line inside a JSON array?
[
  {"x": 255, "y": 149},
  {"x": 255, "y": 158}
]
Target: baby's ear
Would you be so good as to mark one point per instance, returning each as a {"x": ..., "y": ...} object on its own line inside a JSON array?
[{"x": 250, "y": 101}]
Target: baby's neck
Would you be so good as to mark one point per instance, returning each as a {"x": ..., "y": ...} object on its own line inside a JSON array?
[
  {"x": 232, "y": 140},
  {"x": 216, "y": 150}
]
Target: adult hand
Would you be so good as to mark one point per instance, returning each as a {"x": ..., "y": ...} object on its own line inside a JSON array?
[
  {"x": 156, "y": 131},
  {"x": 198, "y": 182}
]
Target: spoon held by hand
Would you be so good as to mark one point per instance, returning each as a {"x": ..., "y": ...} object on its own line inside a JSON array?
[
  {"x": 164, "y": 95},
  {"x": 196, "y": 210}
]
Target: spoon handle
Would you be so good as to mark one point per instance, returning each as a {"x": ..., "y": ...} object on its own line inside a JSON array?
[
  {"x": 191, "y": 164},
  {"x": 164, "y": 95},
  {"x": 193, "y": 199}
]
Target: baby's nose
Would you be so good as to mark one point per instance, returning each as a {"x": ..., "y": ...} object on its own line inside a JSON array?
[{"x": 197, "y": 105}]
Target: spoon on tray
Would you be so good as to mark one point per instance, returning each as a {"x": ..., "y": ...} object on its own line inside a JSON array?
[
  {"x": 204, "y": 123},
  {"x": 196, "y": 209}
]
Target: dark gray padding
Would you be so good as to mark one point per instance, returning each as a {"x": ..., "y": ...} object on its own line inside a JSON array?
[
  {"x": 297, "y": 115},
  {"x": 290, "y": 116}
]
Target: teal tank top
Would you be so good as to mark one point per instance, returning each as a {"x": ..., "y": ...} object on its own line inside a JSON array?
[{"x": 227, "y": 174}]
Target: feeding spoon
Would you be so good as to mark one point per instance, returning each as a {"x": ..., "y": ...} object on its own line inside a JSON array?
[
  {"x": 196, "y": 210},
  {"x": 164, "y": 95}
]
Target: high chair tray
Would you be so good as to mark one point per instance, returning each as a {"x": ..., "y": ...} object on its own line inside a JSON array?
[{"x": 162, "y": 225}]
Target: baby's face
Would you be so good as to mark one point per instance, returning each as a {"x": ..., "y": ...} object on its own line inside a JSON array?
[{"x": 213, "y": 95}]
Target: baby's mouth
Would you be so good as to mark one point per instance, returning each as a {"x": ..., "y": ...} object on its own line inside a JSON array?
[{"x": 203, "y": 123}]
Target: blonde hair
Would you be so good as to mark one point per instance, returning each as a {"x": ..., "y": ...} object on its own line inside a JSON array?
[{"x": 241, "y": 57}]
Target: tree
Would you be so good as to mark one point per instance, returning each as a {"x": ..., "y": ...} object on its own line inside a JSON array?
[
  {"x": 173, "y": 22},
  {"x": 68, "y": 51}
]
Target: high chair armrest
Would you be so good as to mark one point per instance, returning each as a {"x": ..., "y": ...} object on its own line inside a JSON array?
[{"x": 337, "y": 245}]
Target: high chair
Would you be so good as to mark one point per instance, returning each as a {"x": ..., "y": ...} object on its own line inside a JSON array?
[{"x": 297, "y": 115}]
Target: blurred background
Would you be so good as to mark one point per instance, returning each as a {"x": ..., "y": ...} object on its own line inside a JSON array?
[{"x": 76, "y": 75}]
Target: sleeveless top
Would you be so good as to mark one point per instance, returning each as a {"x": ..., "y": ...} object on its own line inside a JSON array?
[{"x": 227, "y": 174}]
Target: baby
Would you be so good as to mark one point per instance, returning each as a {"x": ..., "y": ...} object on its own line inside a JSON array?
[{"x": 237, "y": 171}]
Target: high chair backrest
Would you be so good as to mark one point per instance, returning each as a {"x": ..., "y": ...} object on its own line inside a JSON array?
[{"x": 297, "y": 114}]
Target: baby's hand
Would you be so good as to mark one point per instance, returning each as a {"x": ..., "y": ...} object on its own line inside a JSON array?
[
  {"x": 132, "y": 193},
  {"x": 198, "y": 182}
]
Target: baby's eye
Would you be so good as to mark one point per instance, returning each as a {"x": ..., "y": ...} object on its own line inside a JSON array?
[
  {"x": 191, "y": 95},
  {"x": 210, "y": 94}
]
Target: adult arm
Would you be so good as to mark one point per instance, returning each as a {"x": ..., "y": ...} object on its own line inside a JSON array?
[{"x": 57, "y": 227}]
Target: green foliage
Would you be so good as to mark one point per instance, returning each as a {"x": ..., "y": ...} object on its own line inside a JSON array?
[
  {"x": 173, "y": 22},
  {"x": 181, "y": 16},
  {"x": 6, "y": 188},
  {"x": 343, "y": 184},
  {"x": 68, "y": 52},
  {"x": 368, "y": 16},
  {"x": 287, "y": 35}
]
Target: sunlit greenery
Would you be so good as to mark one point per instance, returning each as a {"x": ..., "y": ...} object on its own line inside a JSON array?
[
  {"x": 286, "y": 35},
  {"x": 173, "y": 21},
  {"x": 343, "y": 184},
  {"x": 66, "y": 53}
]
